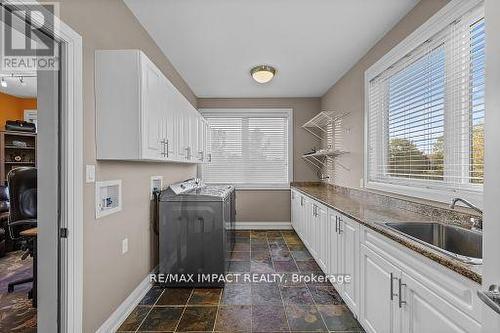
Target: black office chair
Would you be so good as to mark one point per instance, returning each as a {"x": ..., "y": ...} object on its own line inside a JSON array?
[
  {"x": 4, "y": 217},
  {"x": 23, "y": 210}
]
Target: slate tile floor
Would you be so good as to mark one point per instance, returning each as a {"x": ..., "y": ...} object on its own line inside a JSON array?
[{"x": 281, "y": 306}]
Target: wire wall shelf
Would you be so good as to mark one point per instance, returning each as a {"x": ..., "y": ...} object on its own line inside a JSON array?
[
  {"x": 319, "y": 124},
  {"x": 319, "y": 158},
  {"x": 328, "y": 127}
]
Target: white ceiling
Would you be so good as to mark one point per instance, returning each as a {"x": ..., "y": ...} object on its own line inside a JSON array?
[
  {"x": 312, "y": 43},
  {"x": 15, "y": 88}
]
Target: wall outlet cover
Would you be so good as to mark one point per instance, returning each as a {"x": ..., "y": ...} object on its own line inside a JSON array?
[{"x": 124, "y": 245}]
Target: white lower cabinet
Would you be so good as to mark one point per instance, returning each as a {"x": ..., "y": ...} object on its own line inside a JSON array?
[
  {"x": 349, "y": 260},
  {"x": 424, "y": 311},
  {"x": 379, "y": 311},
  {"x": 392, "y": 288}
]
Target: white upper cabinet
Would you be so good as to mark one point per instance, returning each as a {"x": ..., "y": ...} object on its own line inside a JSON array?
[{"x": 140, "y": 114}]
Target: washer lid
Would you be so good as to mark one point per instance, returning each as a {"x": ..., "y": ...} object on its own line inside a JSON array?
[{"x": 205, "y": 193}]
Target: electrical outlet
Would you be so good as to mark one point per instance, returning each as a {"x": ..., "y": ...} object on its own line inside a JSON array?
[
  {"x": 124, "y": 245},
  {"x": 156, "y": 183}
]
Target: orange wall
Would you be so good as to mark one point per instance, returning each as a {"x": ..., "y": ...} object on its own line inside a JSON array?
[{"x": 12, "y": 108}]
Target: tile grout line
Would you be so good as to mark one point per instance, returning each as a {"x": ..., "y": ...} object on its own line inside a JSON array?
[
  {"x": 281, "y": 294},
  {"x": 184, "y": 310},
  {"x": 150, "y": 309},
  {"x": 218, "y": 308}
]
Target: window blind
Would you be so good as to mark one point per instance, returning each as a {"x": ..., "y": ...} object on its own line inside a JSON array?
[
  {"x": 249, "y": 148},
  {"x": 426, "y": 112}
]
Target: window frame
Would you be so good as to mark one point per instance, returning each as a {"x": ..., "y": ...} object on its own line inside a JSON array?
[
  {"x": 264, "y": 113},
  {"x": 439, "y": 21}
]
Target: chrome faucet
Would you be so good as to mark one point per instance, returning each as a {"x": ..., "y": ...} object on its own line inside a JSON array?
[{"x": 475, "y": 223}]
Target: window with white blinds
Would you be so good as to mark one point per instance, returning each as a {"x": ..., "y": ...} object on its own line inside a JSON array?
[
  {"x": 250, "y": 148},
  {"x": 426, "y": 114}
]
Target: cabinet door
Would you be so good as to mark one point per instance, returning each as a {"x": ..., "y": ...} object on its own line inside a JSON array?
[
  {"x": 425, "y": 311},
  {"x": 301, "y": 217},
  {"x": 307, "y": 222},
  {"x": 184, "y": 135},
  {"x": 293, "y": 209},
  {"x": 194, "y": 124},
  {"x": 313, "y": 228},
  {"x": 379, "y": 312},
  {"x": 349, "y": 254},
  {"x": 201, "y": 139},
  {"x": 151, "y": 96},
  {"x": 322, "y": 222},
  {"x": 333, "y": 247},
  {"x": 169, "y": 120},
  {"x": 208, "y": 142}
]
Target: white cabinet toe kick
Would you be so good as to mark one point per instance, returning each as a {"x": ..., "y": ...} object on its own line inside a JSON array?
[{"x": 387, "y": 286}]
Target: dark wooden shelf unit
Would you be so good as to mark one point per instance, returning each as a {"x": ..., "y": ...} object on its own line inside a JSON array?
[{"x": 12, "y": 155}]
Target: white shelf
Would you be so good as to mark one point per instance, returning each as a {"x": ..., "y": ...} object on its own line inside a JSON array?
[
  {"x": 321, "y": 121},
  {"x": 318, "y": 159},
  {"x": 331, "y": 153}
]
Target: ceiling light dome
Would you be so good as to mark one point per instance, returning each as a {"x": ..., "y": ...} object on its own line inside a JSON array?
[{"x": 263, "y": 73}]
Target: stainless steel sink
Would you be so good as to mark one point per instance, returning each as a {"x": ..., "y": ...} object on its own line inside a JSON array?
[{"x": 459, "y": 243}]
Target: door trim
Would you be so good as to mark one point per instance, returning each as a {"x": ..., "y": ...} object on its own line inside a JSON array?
[{"x": 71, "y": 279}]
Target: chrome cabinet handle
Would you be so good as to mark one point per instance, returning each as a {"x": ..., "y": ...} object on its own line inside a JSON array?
[
  {"x": 167, "y": 147},
  {"x": 188, "y": 153},
  {"x": 340, "y": 224},
  {"x": 336, "y": 224},
  {"x": 201, "y": 155},
  {"x": 392, "y": 286},
  {"x": 210, "y": 157},
  {"x": 302, "y": 201},
  {"x": 401, "y": 302}
]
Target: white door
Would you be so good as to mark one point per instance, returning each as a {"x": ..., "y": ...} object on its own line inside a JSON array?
[
  {"x": 151, "y": 111},
  {"x": 333, "y": 240},
  {"x": 349, "y": 254},
  {"x": 379, "y": 312},
  {"x": 424, "y": 311}
]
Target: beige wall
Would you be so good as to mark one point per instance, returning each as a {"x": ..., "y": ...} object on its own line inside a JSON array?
[
  {"x": 109, "y": 277},
  {"x": 347, "y": 94},
  {"x": 273, "y": 206}
]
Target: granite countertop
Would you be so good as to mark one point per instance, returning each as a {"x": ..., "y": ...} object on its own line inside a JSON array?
[{"x": 374, "y": 216}]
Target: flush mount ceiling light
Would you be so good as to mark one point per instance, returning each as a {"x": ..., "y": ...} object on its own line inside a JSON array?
[{"x": 263, "y": 73}]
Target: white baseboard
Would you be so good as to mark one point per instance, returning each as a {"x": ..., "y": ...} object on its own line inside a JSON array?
[
  {"x": 126, "y": 307},
  {"x": 263, "y": 226}
]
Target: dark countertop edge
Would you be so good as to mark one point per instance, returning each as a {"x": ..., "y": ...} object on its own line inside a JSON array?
[{"x": 435, "y": 256}]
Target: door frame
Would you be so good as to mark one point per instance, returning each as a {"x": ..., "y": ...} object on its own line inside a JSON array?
[{"x": 71, "y": 178}]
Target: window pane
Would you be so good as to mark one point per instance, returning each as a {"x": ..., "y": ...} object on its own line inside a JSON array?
[
  {"x": 477, "y": 104},
  {"x": 248, "y": 150},
  {"x": 416, "y": 118}
]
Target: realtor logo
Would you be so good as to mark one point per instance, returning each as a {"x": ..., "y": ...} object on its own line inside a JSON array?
[{"x": 27, "y": 31}]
